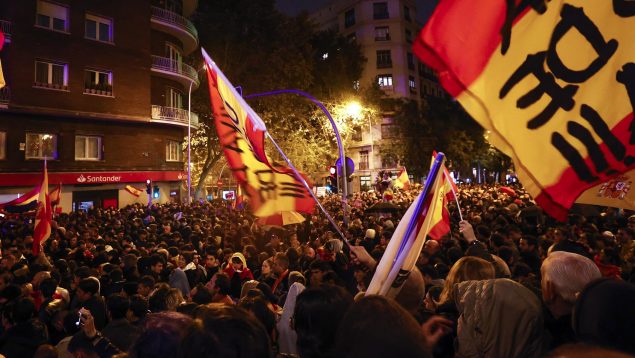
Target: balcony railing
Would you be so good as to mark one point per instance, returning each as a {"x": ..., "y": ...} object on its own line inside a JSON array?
[
  {"x": 174, "y": 19},
  {"x": 5, "y": 26},
  {"x": 5, "y": 96},
  {"x": 173, "y": 115},
  {"x": 165, "y": 64}
]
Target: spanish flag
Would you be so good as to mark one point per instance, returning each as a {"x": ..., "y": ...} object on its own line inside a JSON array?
[
  {"x": 553, "y": 82},
  {"x": 441, "y": 215},
  {"x": 2, "y": 83},
  {"x": 24, "y": 203},
  {"x": 402, "y": 181},
  {"x": 408, "y": 239},
  {"x": 43, "y": 215},
  {"x": 270, "y": 187}
]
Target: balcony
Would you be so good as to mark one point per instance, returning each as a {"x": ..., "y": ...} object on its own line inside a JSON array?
[
  {"x": 5, "y": 97},
  {"x": 5, "y": 26},
  {"x": 175, "y": 70},
  {"x": 170, "y": 115},
  {"x": 176, "y": 25}
]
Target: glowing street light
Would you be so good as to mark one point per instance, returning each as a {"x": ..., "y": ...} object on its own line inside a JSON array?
[{"x": 354, "y": 110}]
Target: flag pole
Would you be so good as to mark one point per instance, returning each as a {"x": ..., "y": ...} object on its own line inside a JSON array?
[
  {"x": 456, "y": 197},
  {"x": 308, "y": 189}
]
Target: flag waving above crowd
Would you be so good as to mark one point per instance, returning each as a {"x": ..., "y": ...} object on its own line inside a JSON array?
[
  {"x": 270, "y": 187},
  {"x": 554, "y": 83}
]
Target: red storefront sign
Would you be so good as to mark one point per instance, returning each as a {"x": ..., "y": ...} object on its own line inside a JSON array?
[{"x": 78, "y": 178}]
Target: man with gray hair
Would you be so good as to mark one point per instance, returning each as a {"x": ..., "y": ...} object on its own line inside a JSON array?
[{"x": 564, "y": 275}]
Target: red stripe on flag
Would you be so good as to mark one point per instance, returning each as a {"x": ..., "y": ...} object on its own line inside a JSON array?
[
  {"x": 569, "y": 186},
  {"x": 462, "y": 29}
]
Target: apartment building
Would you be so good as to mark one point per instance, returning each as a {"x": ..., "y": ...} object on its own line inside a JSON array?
[
  {"x": 99, "y": 90},
  {"x": 385, "y": 30}
]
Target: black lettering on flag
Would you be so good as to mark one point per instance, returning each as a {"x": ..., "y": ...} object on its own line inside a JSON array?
[
  {"x": 268, "y": 187},
  {"x": 604, "y": 132},
  {"x": 234, "y": 138},
  {"x": 574, "y": 18},
  {"x": 624, "y": 8},
  {"x": 627, "y": 77},
  {"x": 560, "y": 97},
  {"x": 231, "y": 112},
  {"x": 585, "y": 136},
  {"x": 292, "y": 189},
  {"x": 512, "y": 12},
  {"x": 573, "y": 157}
]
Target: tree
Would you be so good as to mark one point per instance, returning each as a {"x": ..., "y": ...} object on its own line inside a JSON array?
[{"x": 261, "y": 50}]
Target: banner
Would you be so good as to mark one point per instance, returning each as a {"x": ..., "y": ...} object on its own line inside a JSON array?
[
  {"x": 24, "y": 203},
  {"x": 2, "y": 83},
  {"x": 402, "y": 181},
  {"x": 134, "y": 191},
  {"x": 43, "y": 215},
  {"x": 553, "y": 82},
  {"x": 271, "y": 188}
]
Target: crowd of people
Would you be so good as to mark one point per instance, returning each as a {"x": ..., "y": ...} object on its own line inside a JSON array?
[{"x": 206, "y": 280}]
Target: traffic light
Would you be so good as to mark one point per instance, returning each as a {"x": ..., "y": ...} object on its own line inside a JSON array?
[
  {"x": 332, "y": 179},
  {"x": 155, "y": 191},
  {"x": 148, "y": 186}
]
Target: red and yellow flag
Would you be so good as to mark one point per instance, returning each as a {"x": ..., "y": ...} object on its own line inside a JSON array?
[
  {"x": 440, "y": 214},
  {"x": 402, "y": 181},
  {"x": 2, "y": 83},
  {"x": 134, "y": 191},
  {"x": 271, "y": 188},
  {"x": 553, "y": 82},
  {"x": 43, "y": 215}
]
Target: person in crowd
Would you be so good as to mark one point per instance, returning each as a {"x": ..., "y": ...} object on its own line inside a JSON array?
[
  {"x": 225, "y": 331},
  {"x": 119, "y": 330},
  {"x": 88, "y": 297},
  {"x": 238, "y": 273},
  {"x": 498, "y": 318},
  {"x": 317, "y": 314},
  {"x": 564, "y": 276}
]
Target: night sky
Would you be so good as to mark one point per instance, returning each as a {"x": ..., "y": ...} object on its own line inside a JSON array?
[{"x": 293, "y": 7}]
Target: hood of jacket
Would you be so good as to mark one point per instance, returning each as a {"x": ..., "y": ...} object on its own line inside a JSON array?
[{"x": 498, "y": 318}]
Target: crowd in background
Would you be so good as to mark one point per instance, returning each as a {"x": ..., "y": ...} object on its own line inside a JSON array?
[{"x": 207, "y": 280}]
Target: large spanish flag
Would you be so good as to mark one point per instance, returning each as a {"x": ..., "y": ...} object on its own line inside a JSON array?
[
  {"x": 402, "y": 181},
  {"x": 553, "y": 81},
  {"x": 271, "y": 187}
]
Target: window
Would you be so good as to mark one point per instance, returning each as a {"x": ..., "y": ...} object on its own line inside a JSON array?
[
  {"x": 406, "y": 13},
  {"x": 408, "y": 36},
  {"x": 87, "y": 147},
  {"x": 388, "y": 160},
  {"x": 384, "y": 81},
  {"x": 98, "y": 28},
  {"x": 3, "y": 145},
  {"x": 382, "y": 34},
  {"x": 365, "y": 182},
  {"x": 383, "y": 59},
  {"x": 411, "y": 61},
  {"x": 363, "y": 160},
  {"x": 349, "y": 18},
  {"x": 170, "y": 5},
  {"x": 52, "y": 16},
  {"x": 98, "y": 82},
  {"x": 412, "y": 84},
  {"x": 356, "y": 85},
  {"x": 380, "y": 10},
  {"x": 388, "y": 131},
  {"x": 173, "y": 151},
  {"x": 357, "y": 133},
  {"x": 41, "y": 146},
  {"x": 174, "y": 54},
  {"x": 51, "y": 75},
  {"x": 173, "y": 98}
]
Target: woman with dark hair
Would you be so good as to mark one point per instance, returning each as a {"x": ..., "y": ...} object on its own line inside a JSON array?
[
  {"x": 162, "y": 335},
  {"x": 318, "y": 312},
  {"x": 376, "y": 326},
  {"x": 225, "y": 331}
]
